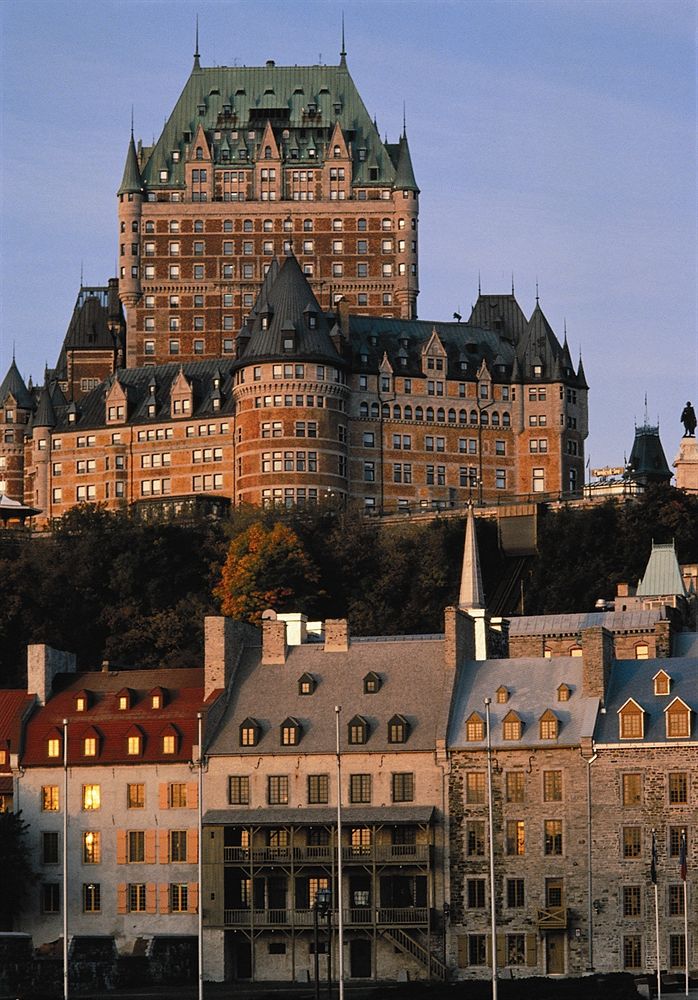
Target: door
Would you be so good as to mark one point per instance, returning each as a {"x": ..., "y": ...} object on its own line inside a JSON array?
[
  {"x": 555, "y": 953},
  {"x": 360, "y": 958}
]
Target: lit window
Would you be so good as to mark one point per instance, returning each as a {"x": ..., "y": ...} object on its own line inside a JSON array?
[
  {"x": 553, "y": 836},
  {"x": 372, "y": 683},
  {"x": 516, "y": 836},
  {"x": 511, "y": 727},
  {"x": 91, "y": 797},
  {"x": 474, "y": 728},
  {"x": 306, "y": 684},
  {"x": 548, "y": 723},
  {"x": 134, "y": 745},
  {"x": 632, "y": 789},
  {"x": 552, "y": 786},
  {"x": 475, "y": 787},
  {"x": 89, "y": 747},
  {"x": 91, "y": 847},
  {"x": 249, "y": 733},
  {"x": 53, "y": 747},
  {"x": 357, "y": 730},
  {"x": 290, "y": 733},
  {"x": 135, "y": 796},
  {"x": 50, "y": 798},
  {"x": 169, "y": 743},
  {"x": 502, "y": 695},
  {"x": 398, "y": 729},
  {"x": 514, "y": 786}
]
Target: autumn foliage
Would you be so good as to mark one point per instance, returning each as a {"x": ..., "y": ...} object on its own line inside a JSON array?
[{"x": 266, "y": 567}]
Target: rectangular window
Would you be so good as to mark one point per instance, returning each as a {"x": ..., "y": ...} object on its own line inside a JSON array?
[
  {"x": 675, "y": 834},
  {"x": 50, "y": 798},
  {"x": 135, "y": 796},
  {"x": 136, "y": 897},
  {"x": 516, "y": 836},
  {"x": 675, "y": 900},
  {"x": 360, "y": 788},
  {"x": 91, "y": 902},
  {"x": 632, "y": 789},
  {"x": 177, "y": 795},
  {"x": 514, "y": 786},
  {"x": 178, "y": 845},
  {"x": 515, "y": 949},
  {"x": 552, "y": 786},
  {"x": 475, "y": 787},
  {"x": 49, "y": 848},
  {"x": 476, "y": 893},
  {"x": 677, "y": 951},
  {"x": 632, "y": 901},
  {"x": 239, "y": 790},
  {"x": 136, "y": 846},
  {"x": 50, "y": 897},
  {"x": 91, "y": 847},
  {"x": 632, "y": 951},
  {"x": 553, "y": 836},
  {"x": 515, "y": 893},
  {"x": 477, "y": 949},
  {"x": 277, "y": 790},
  {"x": 91, "y": 795},
  {"x": 632, "y": 841},
  {"x": 318, "y": 789},
  {"x": 475, "y": 838},
  {"x": 179, "y": 897},
  {"x": 403, "y": 786},
  {"x": 678, "y": 788}
]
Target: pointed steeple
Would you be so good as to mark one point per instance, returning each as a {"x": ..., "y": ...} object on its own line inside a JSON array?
[
  {"x": 404, "y": 174},
  {"x": 13, "y": 384},
  {"x": 131, "y": 182},
  {"x": 45, "y": 415},
  {"x": 471, "y": 595},
  {"x": 343, "y": 53},
  {"x": 581, "y": 377},
  {"x": 197, "y": 64}
]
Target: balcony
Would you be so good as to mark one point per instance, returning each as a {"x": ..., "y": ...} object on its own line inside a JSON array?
[
  {"x": 381, "y": 854},
  {"x": 412, "y": 916},
  {"x": 552, "y": 918}
]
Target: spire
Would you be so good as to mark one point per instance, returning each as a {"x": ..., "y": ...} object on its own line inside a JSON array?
[
  {"x": 479, "y": 284},
  {"x": 471, "y": 591},
  {"x": 537, "y": 296},
  {"x": 131, "y": 182},
  {"x": 581, "y": 377},
  {"x": 197, "y": 64},
  {"x": 404, "y": 173},
  {"x": 343, "y": 53},
  {"x": 512, "y": 283},
  {"x": 404, "y": 120}
]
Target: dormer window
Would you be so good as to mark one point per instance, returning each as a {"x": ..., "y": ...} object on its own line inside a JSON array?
[
  {"x": 312, "y": 321},
  {"x": 631, "y": 720},
  {"x": 357, "y": 731},
  {"x": 290, "y": 733},
  {"x": 398, "y": 729},
  {"x": 90, "y": 743},
  {"x": 372, "y": 683},
  {"x": 502, "y": 694},
  {"x": 124, "y": 700},
  {"x": 662, "y": 683},
  {"x": 82, "y": 701},
  {"x": 474, "y": 728},
  {"x": 289, "y": 342},
  {"x": 53, "y": 744},
  {"x": 512, "y": 727},
  {"x": 549, "y": 725},
  {"x": 563, "y": 693},
  {"x": 678, "y": 719},
  {"x": 249, "y": 733},
  {"x": 157, "y": 698},
  {"x": 169, "y": 740},
  {"x": 134, "y": 742},
  {"x": 306, "y": 684}
]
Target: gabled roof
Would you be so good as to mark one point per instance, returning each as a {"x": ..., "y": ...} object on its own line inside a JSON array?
[
  {"x": 571, "y": 624},
  {"x": 14, "y": 708},
  {"x": 539, "y": 345},
  {"x": 13, "y": 384},
  {"x": 631, "y": 681},
  {"x": 662, "y": 576}
]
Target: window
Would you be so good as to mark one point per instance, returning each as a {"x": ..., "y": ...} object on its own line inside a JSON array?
[
  {"x": 552, "y": 836},
  {"x": 136, "y": 897},
  {"x": 662, "y": 680},
  {"x": 135, "y": 796},
  {"x": 675, "y": 900},
  {"x": 475, "y": 838},
  {"x": 398, "y": 729},
  {"x": 477, "y": 949},
  {"x": 678, "y": 719},
  {"x": 50, "y": 897},
  {"x": 133, "y": 744},
  {"x": 500, "y": 479},
  {"x": 474, "y": 728},
  {"x": 318, "y": 789},
  {"x": 306, "y": 684},
  {"x": 136, "y": 846},
  {"x": 169, "y": 743},
  {"x": 632, "y": 841},
  {"x": 372, "y": 683},
  {"x": 91, "y": 847},
  {"x": 515, "y": 893},
  {"x": 678, "y": 788},
  {"x": 514, "y": 786},
  {"x": 249, "y": 733},
  {"x": 632, "y": 951},
  {"x": 91, "y": 897},
  {"x": 516, "y": 836},
  {"x": 631, "y": 718},
  {"x": 290, "y": 733},
  {"x": 476, "y": 893},
  {"x": 360, "y": 788},
  {"x": 677, "y": 951},
  {"x": 552, "y": 786},
  {"x": 632, "y": 901},
  {"x": 632, "y": 789},
  {"x": 49, "y": 848},
  {"x": 91, "y": 795},
  {"x": 239, "y": 790},
  {"x": 53, "y": 746},
  {"x": 178, "y": 845},
  {"x": 475, "y": 787},
  {"x": 675, "y": 835},
  {"x": 277, "y": 790},
  {"x": 403, "y": 786},
  {"x": 357, "y": 730},
  {"x": 548, "y": 725},
  {"x": 511, "y": 727},
  {"x": 49, "y": 798},
  {"x": 177, "y": 795},
  {"x": 179, "y": 897}
]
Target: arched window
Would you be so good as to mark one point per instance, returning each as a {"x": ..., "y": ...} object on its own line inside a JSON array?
[
  {"x": 375, "y": 410},
  {"x": 363, "y": 410},
  {"x": 506, "y": 419},
  {"x": 408, "y": 412},
  {"x": 397, "y": 412},
  {"x": 336, "y": 152},
  {"x": 430, "y": 413},
  {"x": 495, "y": 419},
  {"x": 462, "y": 417},
  {"x": 473, "y": 416},
  {"x": 419, "y": 413},
  {"x": 441, "y": 415},
  {"x": 267, "y": 152},
  {"x": 451, "y": 416},
  {"x": 386, "y": 411},
  {"x": 484, "y": 418},
  {"x": 199, "y": 153}
]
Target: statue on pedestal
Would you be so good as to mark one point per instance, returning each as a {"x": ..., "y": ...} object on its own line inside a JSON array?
[{"x": 688, "y": 419}]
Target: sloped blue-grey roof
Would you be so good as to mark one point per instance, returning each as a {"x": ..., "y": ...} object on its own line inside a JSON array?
[
  {"x": 570, "y": 624},
  {"x": 633, "y": 679}
]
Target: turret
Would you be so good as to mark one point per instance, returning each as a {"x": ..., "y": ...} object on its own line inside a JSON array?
[
  {"x": 130, "y": 195},
  {"x": 43, "y": 423}
]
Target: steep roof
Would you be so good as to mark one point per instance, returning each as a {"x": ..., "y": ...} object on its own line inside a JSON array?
[
  {"x": 634, "y": 679},
  {"x": 45, "y": 415},
  {"x": 647, "y": 459},
  {"x": 662, "y": 574},
  {"x": 501, "y": 313},
  {"x": 472, "y": 594},
  {"x": 302, "y": 103},
  {"x": 131, "y": 182},
  {"x": 404, "y": 171},
  {"x": 13, "y": 383},
  {"x": 14, "y": 706}
]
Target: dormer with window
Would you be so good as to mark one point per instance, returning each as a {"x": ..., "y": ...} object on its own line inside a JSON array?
[
  {"x": 157, "y": 698},
  {"x": 54, "y": 744},
  {"x": 662, "y": 683},
  {"x": 135, "y": 741},
  {"x": 512, "y": 726},
  {"x": 372, "y": 683},
  {"x": 306, "y": 684},
  {"x": 631, "y": 720},
  {"x": 474, "y": 728},
  {"x": 181, "y": 396},
  {"x": 484, "y": 386},
  {"x": 434, "y": 357},
  {"x": 548, "y": 725},
  {"x": 357, "y": 731},
  {"x": 250, "y": 732},
  {"x": 502, "y": 695},
  {"x": 310, "y": 316},
  {"x": 290, "y": 732},
  {"x": 337, "y": 168},
  {"x": 289, "y": 338},
  {"x": 398, "y": 729},
  {"x": 83, "y": 701},
  {"x": 91, "y": 742},
  {"x": 385, "y": 377},
  {"x": 116, "y": 403},
  {"x": 563, "y": 693},
  {"x": 677, "y": 718},
  {"x": 170, "y": 740},
  {"x": 124, "y": 700},
  {"x": 199, "y": 169}
]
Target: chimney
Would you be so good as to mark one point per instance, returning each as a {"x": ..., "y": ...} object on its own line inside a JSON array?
[
  {"x": 459, "y": 629},
  {"x": 336, "y": 635},
  {"x": 273, "y": 641},
  {"x": 43, "y": 663},
  {"x": 224, "y": 640},
  {"x": 623, "y": 590},
  {"x": 597, "y": 659}
]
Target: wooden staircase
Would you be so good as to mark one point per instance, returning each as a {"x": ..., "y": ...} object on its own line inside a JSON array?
[{"x": 408, "y": 945}]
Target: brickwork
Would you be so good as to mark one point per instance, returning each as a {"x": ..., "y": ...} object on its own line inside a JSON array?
[
  {"x": 597, "y": 658},
  {"x": 651, "y": 643},
  {"x": 459, "y": 638},
  {"x": 43, "y": 664},
  {"x": 336, "y": 635},
  {"x": 273, "y": 641}
]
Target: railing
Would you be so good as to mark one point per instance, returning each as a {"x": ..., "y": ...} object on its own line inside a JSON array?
[
  {"x": 552, "y": 918},
  {"x": 323, "y": 854},
  {"x": 411, "y": 916},
  {"x": 411, "y": 947}
]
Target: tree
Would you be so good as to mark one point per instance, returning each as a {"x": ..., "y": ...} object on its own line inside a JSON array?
[
  {"x": 17, "y": 874},
  {"x": 266, "y": 567}
]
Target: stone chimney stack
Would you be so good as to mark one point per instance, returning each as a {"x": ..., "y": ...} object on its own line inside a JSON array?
[
  {"x": 597, "y": 656},
  {"x": 459, "y": 630},
  {"x": 336, "y": 635},
  {"x": 273, "y": 641},
  {"x": 43, "y": 663}
]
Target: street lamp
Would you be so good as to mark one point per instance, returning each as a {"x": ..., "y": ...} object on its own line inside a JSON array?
[{"x": 322, "y": 907}]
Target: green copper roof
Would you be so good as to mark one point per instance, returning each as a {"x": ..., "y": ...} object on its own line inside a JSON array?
[
  {"x": 404, "y": 176},
  {"x": 662, "y": 573},
  {"x": 131, "y": 181},
  {"x": 234, "y": 103}
]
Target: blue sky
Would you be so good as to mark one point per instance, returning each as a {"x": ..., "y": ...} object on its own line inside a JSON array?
[{"x": 554, "y": 140}]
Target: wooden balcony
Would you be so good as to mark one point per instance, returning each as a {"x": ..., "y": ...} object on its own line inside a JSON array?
[
  {"x": 380, "y": 854},
  {"x": 552, "y": 918},
  {"x": 413, "y": 916}
]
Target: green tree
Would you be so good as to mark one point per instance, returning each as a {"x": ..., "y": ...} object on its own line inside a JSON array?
[{"x": 17, "y": 874}]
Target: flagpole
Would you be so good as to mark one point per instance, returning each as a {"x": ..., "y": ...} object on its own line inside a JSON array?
[
  {"x": 653, "y": 875},
  {"x": 684, "y": 873}
]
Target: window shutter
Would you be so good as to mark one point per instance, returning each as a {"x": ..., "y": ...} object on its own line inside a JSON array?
[
  {"x": 121, "y": 847},
  {"x": 150, "y": 846},
  {"x": 501, "y": 951},
  {"x": 462, "y": 951},
  {"x": 488, "y": 950},
  {"x": 162, "y": 795},
  {"x": 192, "y": 795},
  {"x": 531, "y": 949},
  {"x": 193, "y": 897},
  {"x": 121, "y": 902},
  {"x": 151, "y": 898},
  {"x": 164, "y": 846},
  {"x": 164, "y": 893},
  {"x": 192, "y": 847}
]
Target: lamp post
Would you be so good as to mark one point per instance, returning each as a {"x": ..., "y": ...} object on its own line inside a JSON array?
[
  {"x": 65, "y": 860},
  {"x": 322, "y": 907},
  {"x": 340, "y": 891},
  {"x": 493, "y": 903}
]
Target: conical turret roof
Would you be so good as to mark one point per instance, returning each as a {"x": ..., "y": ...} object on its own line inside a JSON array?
[
  {"x": 131, "y": 182},
  {"x": 45, "y": 415},
  {"x": 14, "y": 383},
  {"x": 404, "y": 174}
]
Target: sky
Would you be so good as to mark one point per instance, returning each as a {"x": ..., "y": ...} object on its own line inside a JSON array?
[{"x": 554, "y": 141}]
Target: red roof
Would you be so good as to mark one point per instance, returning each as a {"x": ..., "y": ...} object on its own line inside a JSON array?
[
  {"x": 184, "y": 699},
  {"x": 13, "y": 707}
]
